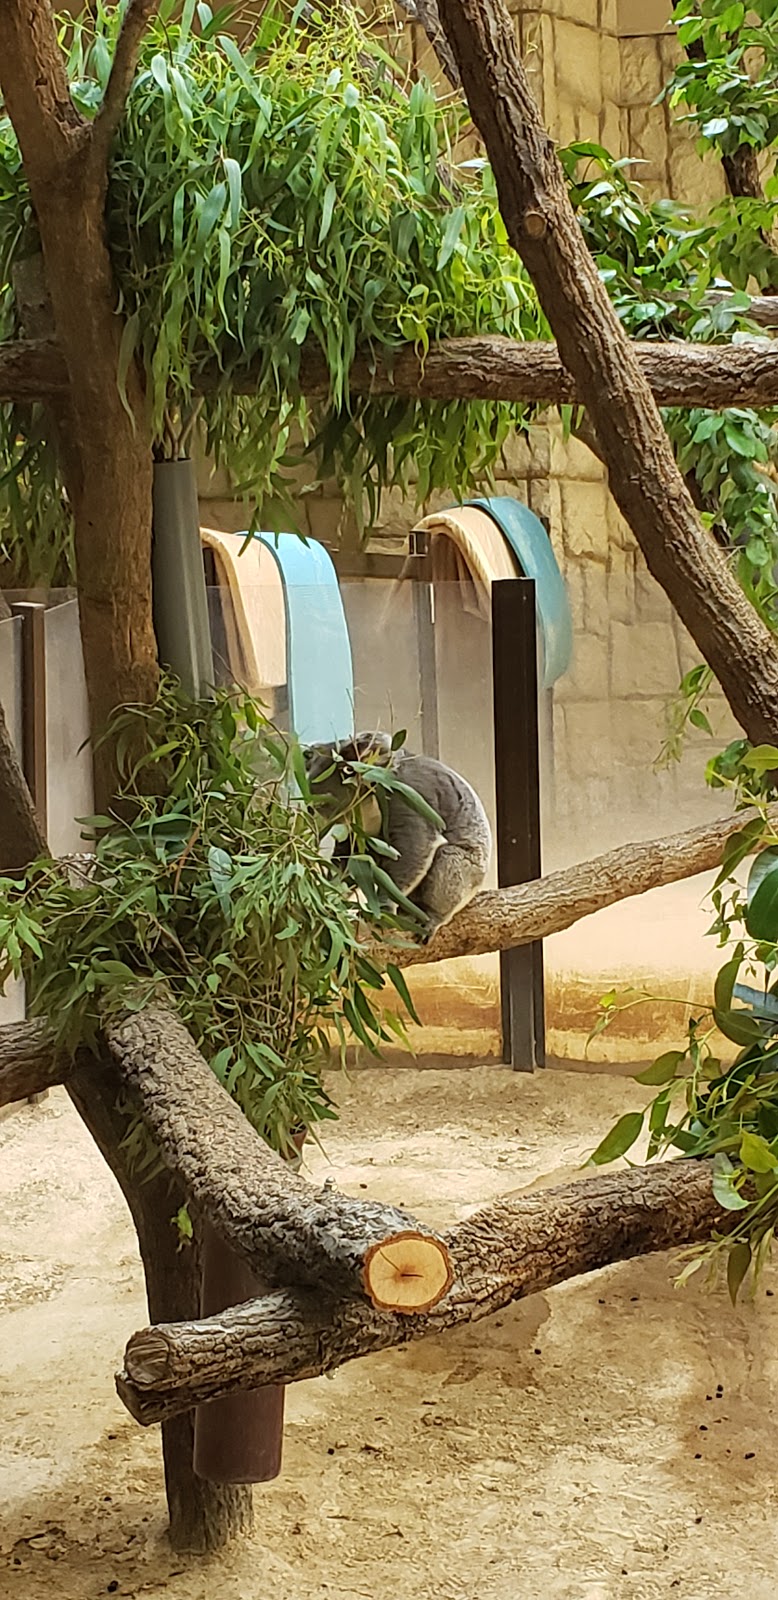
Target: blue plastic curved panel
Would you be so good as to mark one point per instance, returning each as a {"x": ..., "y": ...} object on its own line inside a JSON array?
[
  {"x": 319, "y": 669},
  {"x": 532, "y": 548}
]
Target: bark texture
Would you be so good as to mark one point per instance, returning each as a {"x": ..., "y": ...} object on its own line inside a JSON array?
[
  {"x": 478, "y": 368},
  {"x": 499, "y": 919},
  {"x": 508, "y": 1250},
  {"x": 106, "y": 454},
  {"x": 287, "y": 1230},
  {"x": 21, "y": 835},
  {"x": 29, "y": 1062},
  {"x": 645, "y": 481}
]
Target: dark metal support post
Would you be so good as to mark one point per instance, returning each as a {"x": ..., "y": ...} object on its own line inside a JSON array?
[{"x": 517, "y": 789}]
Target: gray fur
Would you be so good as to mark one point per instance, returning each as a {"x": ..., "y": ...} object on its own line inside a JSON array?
[{"x": 438, "y": 872}]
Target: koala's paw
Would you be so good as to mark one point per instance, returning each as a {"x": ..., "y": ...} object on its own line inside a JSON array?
[{"x": 428, "y": 934}]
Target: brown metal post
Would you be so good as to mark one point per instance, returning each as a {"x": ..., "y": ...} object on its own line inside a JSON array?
[{"x": 238, "y": 1439}]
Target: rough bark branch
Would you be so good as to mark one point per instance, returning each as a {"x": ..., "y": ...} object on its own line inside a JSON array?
[
  {"x": 128, "y": 44},
  {"x": 499, "y": 919},
  {"x": 105, "y": 449},
  {"x": 426, "y": 15},
  {"x": 50, "y": 130},
  {"x": 510, "y": 1249},
  {"x": 287, "y": 1230},
  {"x": 644, "y": 478},
  {"x": 29, "y": 1063},
  {"x": 21, "y": 835},
  {"x": 203, "y": 1515},
  {"x": 479, "y": 368}
]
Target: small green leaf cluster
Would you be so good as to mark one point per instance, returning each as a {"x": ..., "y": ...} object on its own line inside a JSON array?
[
  {"x": 729, "y": 79},
  {"x": 726, "y": 1112},
  {"x": 210, "y": 887}
]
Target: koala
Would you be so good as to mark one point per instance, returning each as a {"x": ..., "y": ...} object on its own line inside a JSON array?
[{"x": 437, "y": 871}]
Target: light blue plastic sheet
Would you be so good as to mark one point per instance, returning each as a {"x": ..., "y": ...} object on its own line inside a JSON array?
[{"x": 527, "y": 537}]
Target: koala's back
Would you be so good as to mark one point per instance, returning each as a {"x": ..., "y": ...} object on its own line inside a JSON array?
[{"x": 466, "y": 822}]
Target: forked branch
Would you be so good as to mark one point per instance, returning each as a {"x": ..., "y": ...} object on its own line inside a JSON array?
[
  {"x": 508, "y": 1250},
  {"x": 136, "y": 20}
]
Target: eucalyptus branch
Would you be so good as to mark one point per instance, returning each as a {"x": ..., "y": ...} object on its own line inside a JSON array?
[{"x": 136, "y": 19}]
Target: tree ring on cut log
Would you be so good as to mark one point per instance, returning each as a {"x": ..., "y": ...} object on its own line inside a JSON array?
[{"x": 407, "y": 1272}]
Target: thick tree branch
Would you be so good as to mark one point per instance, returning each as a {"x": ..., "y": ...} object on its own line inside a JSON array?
[
  {"x": 644, "y": 479},
  {"x": 287, "y": 1230},
  {"x": 502, "y": 918},
  {"x": 50, "y": 130},
  {"x": 136, "y": 20},
  {"x": 21, "y": 835},
  {"x": 425, "y": 13},
  {"x": 29, "y": 1062},
  {"x": 510, "y": 1249},
  {"x": 477, "y": 368}
]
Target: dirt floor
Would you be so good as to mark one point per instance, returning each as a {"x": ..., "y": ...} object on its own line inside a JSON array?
[{"x": 613, "y": 1438}]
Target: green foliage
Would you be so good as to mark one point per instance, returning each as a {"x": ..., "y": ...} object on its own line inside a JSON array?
[
  {"x": 218, "y": 895},
  {"x": 726, "y": 1112},
  {"x": 291, "y": 193},
  {"x": 288, "y": 194},
  {"x": 728, "y": 81}
]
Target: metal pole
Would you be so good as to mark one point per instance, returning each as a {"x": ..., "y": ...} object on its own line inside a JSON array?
[
  {"x": 517, "y": 790},
  {"x": 178, "y": 575},
  {"x": 424, "y": 614}
]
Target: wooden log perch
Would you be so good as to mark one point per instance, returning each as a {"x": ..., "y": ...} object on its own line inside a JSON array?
[
  {"x": 29, "y": 1062},
  {"x": 509, "y": 1249},
  {"x": 477, "y": 368},
  {"x": 499, "y": 919},
  {"x": 287, "y": 1230}
]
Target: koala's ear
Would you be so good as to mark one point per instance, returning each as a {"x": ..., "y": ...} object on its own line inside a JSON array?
[{"x": 376, "y": 747}]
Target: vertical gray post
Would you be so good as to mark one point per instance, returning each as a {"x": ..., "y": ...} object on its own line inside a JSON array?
[
  {"x": 517, "y": 788},
  {"x": 178, "y": 576}
]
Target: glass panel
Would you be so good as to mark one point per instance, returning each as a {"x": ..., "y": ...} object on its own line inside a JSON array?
[{"x": 69, "y": 767}]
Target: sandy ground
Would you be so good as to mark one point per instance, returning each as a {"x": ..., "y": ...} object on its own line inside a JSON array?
[{"x": 613, "y": 1438}]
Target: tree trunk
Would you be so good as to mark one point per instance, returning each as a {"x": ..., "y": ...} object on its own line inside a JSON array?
[
  {"x": 203, "y": 1515},
  {"x": 284, "y": 1228},
  {"x": 106, "y": 451},
  {"x": 481, "y": 367},
  {"x": 510, "y": 1249},
  {"x": 644, "y": 479}
]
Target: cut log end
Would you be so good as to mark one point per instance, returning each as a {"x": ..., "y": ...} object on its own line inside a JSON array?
[{"x": 407, "y": 1272}]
